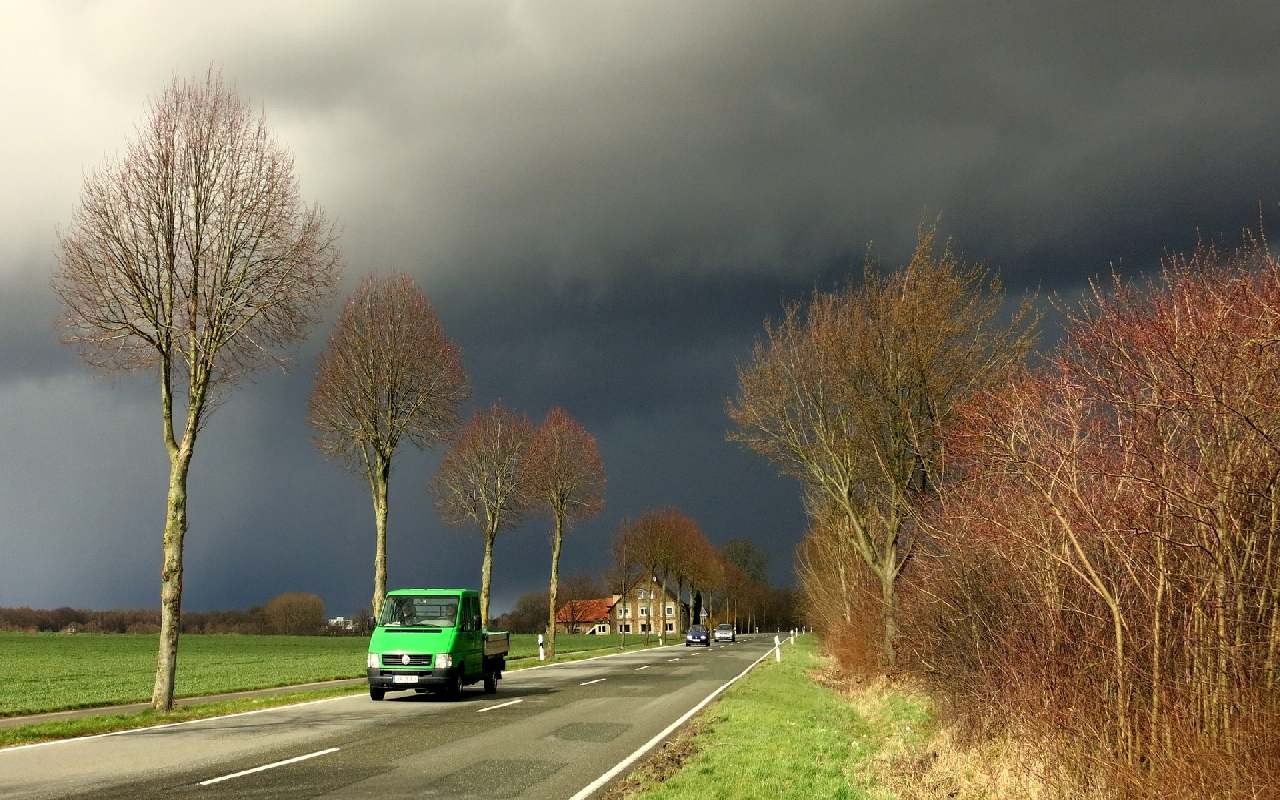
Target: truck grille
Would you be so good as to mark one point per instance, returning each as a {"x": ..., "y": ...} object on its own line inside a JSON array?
[{"x": 415, "y": 660}]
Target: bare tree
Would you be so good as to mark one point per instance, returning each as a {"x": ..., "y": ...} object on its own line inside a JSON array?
[
  {"x": 567, "y": 476},
  {"x": 192, "y": 256},
  {"x": 388, "y": 374},
  {"x": 483, "y": 481},
  {"x": 852, "y": 394},
  {"x": 625, "y": 572}
]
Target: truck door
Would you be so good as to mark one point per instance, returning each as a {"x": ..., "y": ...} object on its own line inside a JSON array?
[{"x": 473, "y": 639}]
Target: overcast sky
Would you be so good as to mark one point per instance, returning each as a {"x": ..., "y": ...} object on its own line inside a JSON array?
[{"x": 603, "y": 201}]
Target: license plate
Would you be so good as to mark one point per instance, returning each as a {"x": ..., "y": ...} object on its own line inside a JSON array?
[{"x": 405, "y": 679}]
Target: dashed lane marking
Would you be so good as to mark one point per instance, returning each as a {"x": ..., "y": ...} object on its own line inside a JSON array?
[
  {"x": 272, "y": 765},
  {"x": 499, "y": 705}
]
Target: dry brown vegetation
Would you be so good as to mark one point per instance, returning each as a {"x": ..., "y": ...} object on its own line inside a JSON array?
[{"x": 1094, "y": 597}]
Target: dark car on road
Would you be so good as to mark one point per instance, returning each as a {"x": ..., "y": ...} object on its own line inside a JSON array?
[{"x": 697, "y": 635}]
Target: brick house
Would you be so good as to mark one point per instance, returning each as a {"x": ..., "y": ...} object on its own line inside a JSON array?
[{"x": 631, "y": 614}]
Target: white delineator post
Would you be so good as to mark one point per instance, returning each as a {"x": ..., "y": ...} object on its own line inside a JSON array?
[
  {"x": 777, "y": 649},
  {"x": 542, "y": 650}
]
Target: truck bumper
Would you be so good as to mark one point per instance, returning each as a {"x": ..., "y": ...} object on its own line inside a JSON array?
[{"x": 427, "y": 678}]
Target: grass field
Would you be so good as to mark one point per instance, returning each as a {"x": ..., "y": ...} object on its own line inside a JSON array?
[
  {"x": 51, "y": 672},
  {"x": 778, "y": 734}
]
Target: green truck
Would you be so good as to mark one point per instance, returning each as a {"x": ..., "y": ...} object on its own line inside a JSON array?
[{"x": 431, "y": 640}]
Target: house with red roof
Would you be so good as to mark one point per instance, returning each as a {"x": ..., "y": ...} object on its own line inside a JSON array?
[{"x": 586, "y": 616}]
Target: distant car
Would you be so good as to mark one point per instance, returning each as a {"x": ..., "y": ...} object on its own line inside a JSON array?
[
  {"x": 725, "y": 633},
  {"x": 697, "y": 635}
]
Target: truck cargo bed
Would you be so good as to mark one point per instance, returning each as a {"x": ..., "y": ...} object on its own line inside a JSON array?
[{"x": 496, "y": 643}]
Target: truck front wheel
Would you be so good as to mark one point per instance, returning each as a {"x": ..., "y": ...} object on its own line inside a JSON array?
[
  {"x": 377, "y": 694},
  {"x": 490, "y": 682}
]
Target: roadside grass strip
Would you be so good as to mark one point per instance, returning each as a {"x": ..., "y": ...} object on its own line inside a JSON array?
[
  {"x": 778, "y": 734},
  {"x": 46, "y": 733},
  {"x": 87, "y": 670},
  {"x": 110, "y": 724}
]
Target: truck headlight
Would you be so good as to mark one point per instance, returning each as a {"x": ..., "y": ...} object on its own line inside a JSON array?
[
  {"x": 444, "y": 661},
  {"x": 371, "y": 660}
]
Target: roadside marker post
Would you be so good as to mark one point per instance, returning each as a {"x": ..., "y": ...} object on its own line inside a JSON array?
[
  {"x": 777, "y": 650},
  {"x": 542, "y": 650}
]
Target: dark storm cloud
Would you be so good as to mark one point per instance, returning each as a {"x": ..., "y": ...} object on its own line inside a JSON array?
[{"x": 603, "y": 200}]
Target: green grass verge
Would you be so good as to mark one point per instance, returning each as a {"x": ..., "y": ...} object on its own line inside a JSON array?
[
  {"x": 779, "y": 734},
  {"x": 236, "y": 646},
  {"x": 109, "y": 723},
  {"x": 55, "y": 672}
]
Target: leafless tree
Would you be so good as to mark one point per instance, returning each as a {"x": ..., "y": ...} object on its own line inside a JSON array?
[
  {"x": 851, "y": 394},
  {"x": 389, "y": 374},
  {"x": 192, "y": 255},
  {"x": 567, "y": 477},
  {"x": 484, "y": 481}
]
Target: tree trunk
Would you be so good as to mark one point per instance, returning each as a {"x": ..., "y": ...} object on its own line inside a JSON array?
[
  {"x": 889, "y": 609},
  {"x": 175, "y": 529},
  {"x": 662, "y": 607},
  {"x": 379, "y": 477},
  {"x": 554, "y": 585},
  {"x": 486, "y": 570}
]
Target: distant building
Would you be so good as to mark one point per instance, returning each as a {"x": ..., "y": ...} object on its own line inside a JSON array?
[
  {"x": 586, "y": 616},
  {"x": 631, "y": 614},
  {"x": 342, "y": 623}
]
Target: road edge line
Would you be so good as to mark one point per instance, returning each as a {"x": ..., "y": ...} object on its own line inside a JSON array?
[{"x": 600, "y": 782}]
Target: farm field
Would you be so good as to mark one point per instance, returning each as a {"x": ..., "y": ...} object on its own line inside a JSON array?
[{"x": 51, "y": 672}]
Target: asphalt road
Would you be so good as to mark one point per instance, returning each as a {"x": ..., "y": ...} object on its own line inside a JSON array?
[{"x": 548, "y": 733}]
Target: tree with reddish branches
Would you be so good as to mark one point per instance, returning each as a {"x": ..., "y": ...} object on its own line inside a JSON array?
[
  {"x": 484, "y": 481},
  {"x": 566, "y": 474},
  {"x": 194, "y": 256},
  {"x": 389, "y": 374}
]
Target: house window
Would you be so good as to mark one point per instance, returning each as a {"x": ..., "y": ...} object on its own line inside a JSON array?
[
  {"x": 640, "y": 595},
  {"x": 626, "y": 628},
  {"x": 671, "y": 626},
  {"x": 644, "y": 627},
  {"x": 670, "y": 613},
  {"x": 644, "y": 611},
  {"x": 602, "y": 629}
]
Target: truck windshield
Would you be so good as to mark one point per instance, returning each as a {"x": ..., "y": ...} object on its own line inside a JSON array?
[{"x": 420, "y": 611}]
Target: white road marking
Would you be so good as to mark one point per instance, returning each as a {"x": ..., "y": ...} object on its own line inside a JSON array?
[
  {"x": 272, "y": 765},
  {"x": 669, "y": 660},
  {"x": 646, "y": 666},
  {"x": 595, "y": 785},
  {"x": 588, "y": 683},
  {"x": 499, "y": 705}
]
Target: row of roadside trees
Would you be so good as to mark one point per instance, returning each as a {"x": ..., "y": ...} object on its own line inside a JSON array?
[{"x": 193, "y": 257}]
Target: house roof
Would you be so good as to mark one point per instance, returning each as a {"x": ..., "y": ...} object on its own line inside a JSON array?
[{"x": 594, "y": 610}]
